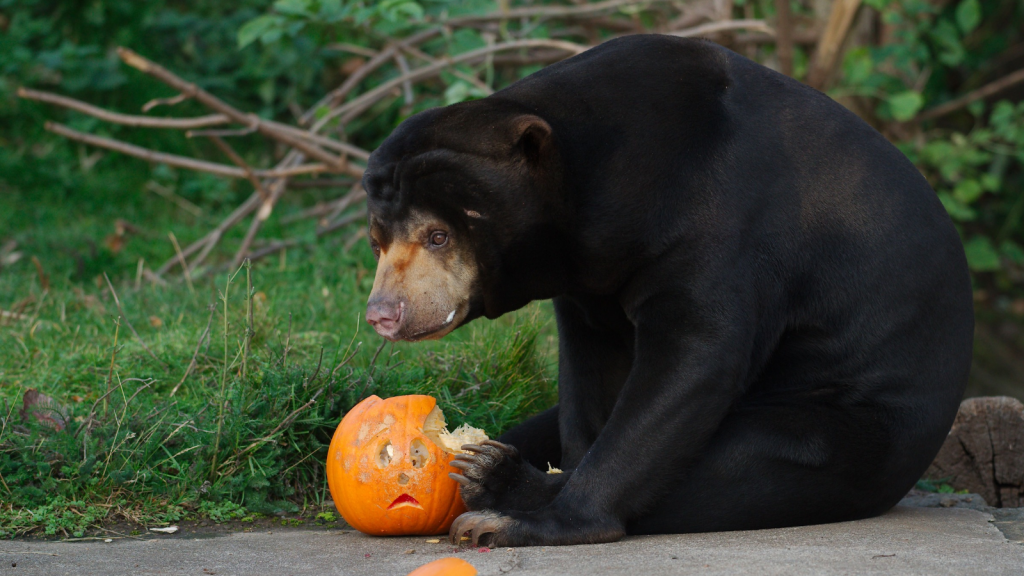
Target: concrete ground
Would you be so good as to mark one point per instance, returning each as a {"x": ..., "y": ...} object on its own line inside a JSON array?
[{"x": 906, "y": 541}]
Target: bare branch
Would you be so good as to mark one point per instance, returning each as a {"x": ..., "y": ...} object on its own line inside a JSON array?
[
  {"x": 417, "y": 53},
  {"x": 403, "y": 67},
  {"x": 321, "y": 183},
  {"x": 983, "y": 92},
  {"x": 125, "y": 119},
  {"x": 326, "y": 142},
  {"x": 216, "y": 104},
  {"x": 174, "y": 159},
  {"x": 712, "y": 27},
  {"x": 164, "y": 102},
  {"x": 352, "y": 48},
  {"x": 355, "y": 194},
  {"x": 227, "y": 132},
  {"x": 241, "y": 163},
  {"x": 334, "y": 97},
  {"x": 358, "y": 105},
  {"x": 579, "y": 11},
  {"x": 277, "y": 189},
  {"x": 285, "y": 244},
  {"x": 214, "y": 235}
]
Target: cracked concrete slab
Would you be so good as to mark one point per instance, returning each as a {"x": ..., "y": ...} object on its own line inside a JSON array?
[{"x": 905, "y": 541}]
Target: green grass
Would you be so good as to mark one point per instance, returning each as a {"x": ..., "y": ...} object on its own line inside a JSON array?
[{"x": 237, "y": 437}]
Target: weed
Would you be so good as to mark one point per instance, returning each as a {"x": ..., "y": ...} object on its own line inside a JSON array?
[
  {"x": 223, "y": 511},
  {"x": 326, "y": 517}
]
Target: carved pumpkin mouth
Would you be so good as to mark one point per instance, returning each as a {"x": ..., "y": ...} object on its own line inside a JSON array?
[{"x": 405, "y": 500}]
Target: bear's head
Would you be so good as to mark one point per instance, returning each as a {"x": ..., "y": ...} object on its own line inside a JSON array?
[{"x": 463, "y": 218}]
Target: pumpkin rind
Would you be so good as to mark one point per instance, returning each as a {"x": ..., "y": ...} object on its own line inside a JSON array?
[
  {"x": 450, "y": 566},
  {"x": 368, "y": 480}
]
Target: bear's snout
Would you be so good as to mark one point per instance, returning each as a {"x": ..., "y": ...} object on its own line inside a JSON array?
[{"x": 385, "y": 317}]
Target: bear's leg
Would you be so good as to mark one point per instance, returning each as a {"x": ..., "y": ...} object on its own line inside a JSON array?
[
  {"x": 595, "y": 356},
  {"x": 537, "y": 439},
  {"x": 772, "y": 466},
  {"x": 507, "y": 475}
]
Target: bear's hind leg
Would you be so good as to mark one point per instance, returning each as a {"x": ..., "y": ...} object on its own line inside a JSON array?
[{"x": 786, "y": 465}]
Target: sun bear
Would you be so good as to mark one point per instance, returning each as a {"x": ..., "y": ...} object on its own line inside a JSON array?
[{"x": 764, "y": 313}]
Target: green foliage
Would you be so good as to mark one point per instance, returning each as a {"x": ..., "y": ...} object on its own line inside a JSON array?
[
  {"x": 222, "y": 511},
  {"x": 938, "y": 486},
  {"x": 58, "y": 515},
  {"x": 326, "y": 517},
  {"x": 975, "y": 159}
]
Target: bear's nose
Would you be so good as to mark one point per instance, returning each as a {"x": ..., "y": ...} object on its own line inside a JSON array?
[{"x": 385, "y": 316}]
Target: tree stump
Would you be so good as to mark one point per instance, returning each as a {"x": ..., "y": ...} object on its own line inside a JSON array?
[{"x": 984, "y": 452}]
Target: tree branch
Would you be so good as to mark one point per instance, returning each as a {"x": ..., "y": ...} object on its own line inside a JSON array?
[
  {"x": 336, "y": 96},
  {"x": 153, "y": 69},
  {"x": 174, "y": 159},
  {"x": 983, "y": 92},
  {"x": 364, "y": 101},
  {"x": 547, "y": 12},
  {"x": 712, "y": 27},
  {"x": 125, "y": 119}
]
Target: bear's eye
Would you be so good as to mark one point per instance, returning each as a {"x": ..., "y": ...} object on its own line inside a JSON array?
[
  {"x": 438, "y": 238},
  {"x": 376, "y": 249}
]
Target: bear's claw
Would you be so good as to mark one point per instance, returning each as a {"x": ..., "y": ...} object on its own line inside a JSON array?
[{"x": 478, "y": 524}]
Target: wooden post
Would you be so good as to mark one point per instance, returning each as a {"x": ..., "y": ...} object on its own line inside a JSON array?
[
  {"x": 784, "y": 37},
  {"x": 829, "y": 47}
]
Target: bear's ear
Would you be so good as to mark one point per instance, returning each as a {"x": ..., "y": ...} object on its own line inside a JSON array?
[{"x": 532, "y": 136}]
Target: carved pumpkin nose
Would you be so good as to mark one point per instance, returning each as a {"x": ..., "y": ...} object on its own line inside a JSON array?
[{"x": 385, "y": 316}]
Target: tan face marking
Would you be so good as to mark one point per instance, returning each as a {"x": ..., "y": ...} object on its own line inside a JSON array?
[{"x": 430, "y": 286}]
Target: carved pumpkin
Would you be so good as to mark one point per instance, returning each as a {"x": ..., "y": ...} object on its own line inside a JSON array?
[
  {"x": 450, "y": 566},
  {"x": 387, "y": 466}
]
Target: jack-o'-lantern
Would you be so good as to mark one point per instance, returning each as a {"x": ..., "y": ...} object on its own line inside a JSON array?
[{"x": 387, "y": 466}]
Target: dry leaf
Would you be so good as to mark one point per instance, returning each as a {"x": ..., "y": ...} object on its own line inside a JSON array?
[{"x": 43, "y": 409}]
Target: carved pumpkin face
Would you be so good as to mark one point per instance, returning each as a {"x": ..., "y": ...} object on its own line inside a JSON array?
[{"x": 387, "y": 471}]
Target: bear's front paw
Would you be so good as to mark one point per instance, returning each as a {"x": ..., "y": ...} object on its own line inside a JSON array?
[
  {"x": 488, "y": 471},
  {"x": 487, "y": 528},
  {"x": 538, "y": 528}
]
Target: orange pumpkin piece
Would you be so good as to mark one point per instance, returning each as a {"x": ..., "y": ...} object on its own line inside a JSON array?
[
  {"x": 450, "y": 566},
  {"x": 387, "y": 467}
]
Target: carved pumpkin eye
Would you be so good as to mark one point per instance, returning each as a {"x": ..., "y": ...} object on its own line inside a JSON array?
[
  {"x": 386, "y": 453},
  {"x": 438, "y": 238},
  {"x": 418, "y": 453}
]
